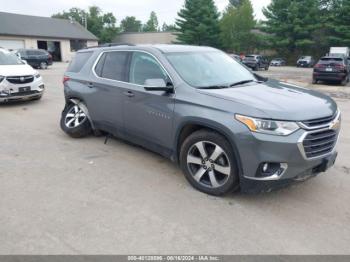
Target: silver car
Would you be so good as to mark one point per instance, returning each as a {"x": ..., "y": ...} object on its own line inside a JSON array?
[{"x": 227, "y": 128}]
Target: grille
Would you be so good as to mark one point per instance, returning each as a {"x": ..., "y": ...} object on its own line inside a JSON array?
[
  {"x": 319, "y": 121},
  {"x": 20, "y": 79},
  {"x": 319, "y": 143}
]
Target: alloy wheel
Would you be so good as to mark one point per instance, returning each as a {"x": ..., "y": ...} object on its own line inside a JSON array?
[
  {"x": 75, "y": 117},
  {"x": 208, "y": 164}
]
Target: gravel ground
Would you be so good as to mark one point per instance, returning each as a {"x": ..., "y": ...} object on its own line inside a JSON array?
[{"x": 66, "y": 196}]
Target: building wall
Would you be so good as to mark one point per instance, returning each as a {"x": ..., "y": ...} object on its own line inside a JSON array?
[
  {"x": 146, "y": 38},
  {"x": 33, "y": 43}
]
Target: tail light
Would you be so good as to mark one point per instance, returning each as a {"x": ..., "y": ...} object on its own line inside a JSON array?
[
  {"x": 50, "y": 56},
  {"x": 320, "y": 66},
  {"x": 66, "y": 79},
  {"x": 340, "y": 66}
]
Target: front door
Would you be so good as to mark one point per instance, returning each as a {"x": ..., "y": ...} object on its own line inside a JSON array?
[{"x": 148, "y": 116}]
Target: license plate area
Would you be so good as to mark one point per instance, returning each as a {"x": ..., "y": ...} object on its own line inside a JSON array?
[
  {"x": 329, "y": 69},
  {"x": 24, "y": 89}
]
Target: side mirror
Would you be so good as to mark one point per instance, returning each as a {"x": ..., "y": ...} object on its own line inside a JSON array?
[
  {"x": 158, "y": 85},
  {"x": 24, "y": 61}
]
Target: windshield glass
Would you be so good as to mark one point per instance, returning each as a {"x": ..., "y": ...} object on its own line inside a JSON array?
[
  {"x": 205, "y": 69},
  {"x": 7, "y": 58}
]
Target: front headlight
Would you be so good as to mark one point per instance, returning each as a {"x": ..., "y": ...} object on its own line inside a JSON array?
[
  {"x": 270, "y": 127},
  {"x": 37, "y": 75}
]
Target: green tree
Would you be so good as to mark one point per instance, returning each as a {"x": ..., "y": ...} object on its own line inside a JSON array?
[
  {"x": 75, "y": 14},
  {"x": 294, "y": 26},
  {"x": 130, "y": 24},
  {"x": 152, "y": 23},
  {"x": 339, "y": 26},
  {"x": 168, "y": 28},
  {"x": 198, "y": 23},
  {"x": 101, "y": 25},
  {"x": 236, "y": 25}
]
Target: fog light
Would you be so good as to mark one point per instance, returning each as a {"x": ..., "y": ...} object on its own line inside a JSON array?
[
  {"x": 265, "y": 167},
  {"x": 271, "y": 169}
]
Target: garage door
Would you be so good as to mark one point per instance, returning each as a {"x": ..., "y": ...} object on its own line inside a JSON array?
[{"x": 12, "y": 44}]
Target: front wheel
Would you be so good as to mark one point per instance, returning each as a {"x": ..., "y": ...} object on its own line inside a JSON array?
[
  {"x": 74, "y": 122},
  {"x": 208, "y": 163},
  {"x": 43, "y": 65}
]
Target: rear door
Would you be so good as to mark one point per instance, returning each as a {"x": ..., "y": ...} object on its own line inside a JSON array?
[
  {"x": 148, "y": 116},
  {"x": 106, "y": 90}
]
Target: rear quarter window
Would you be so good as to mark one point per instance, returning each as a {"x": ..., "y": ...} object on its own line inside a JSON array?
[{"x": 79, "y": 61}]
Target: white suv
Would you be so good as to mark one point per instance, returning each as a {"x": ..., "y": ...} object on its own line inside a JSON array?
[{"x": 18, "y": 81}]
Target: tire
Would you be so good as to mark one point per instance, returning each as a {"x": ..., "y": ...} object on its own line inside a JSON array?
[
  {"x": 266, "y": 68},
  {"x": 74, "y": 122},
  {"x": 344, "y": 82},
  {"x": 314, "y": 81},
  {"x": 43, "y": 65},
  {"x": 256, "y": 68},
  {"x": 216, "y": 176}
]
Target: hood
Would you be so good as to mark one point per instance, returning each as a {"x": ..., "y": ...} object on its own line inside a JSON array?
[
  {"x": 16, "y": 70},
  {"x": 278, "y": 100}
]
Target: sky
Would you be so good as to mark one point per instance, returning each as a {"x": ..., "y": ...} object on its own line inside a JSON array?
[{"x": 166, "y": 10}]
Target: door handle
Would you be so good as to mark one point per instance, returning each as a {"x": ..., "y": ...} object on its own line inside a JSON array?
[
  {"x": 90, "y": 85},
  {"x": 129, "y": 94}
]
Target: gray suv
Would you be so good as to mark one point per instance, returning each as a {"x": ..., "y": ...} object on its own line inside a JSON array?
[{"x": 227, "y": 128}]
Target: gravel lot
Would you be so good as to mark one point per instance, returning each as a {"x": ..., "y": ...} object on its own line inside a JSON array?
[{"x": 66, "y": 196}]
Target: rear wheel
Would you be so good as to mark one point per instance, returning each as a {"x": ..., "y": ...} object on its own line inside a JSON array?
[
  {"x": 256, "y": 68},
  {"x": 314, "y": 81},
  {"x": 208, "y": 163},
  {"x": 74, "y": 122}
]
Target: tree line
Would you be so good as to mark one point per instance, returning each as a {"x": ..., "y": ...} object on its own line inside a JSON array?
[
  {"x": 104, "y": 25},
  {"x": 291, "y": 28}
]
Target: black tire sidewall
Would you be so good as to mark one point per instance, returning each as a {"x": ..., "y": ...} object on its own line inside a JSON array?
[
  {"x": 80, "y": 131},
  {"x": 210, "y": 136}
]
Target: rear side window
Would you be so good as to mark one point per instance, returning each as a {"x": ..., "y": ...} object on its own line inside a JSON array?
[
  {"x": 331, "y": 59},
  {"x": 79, "y": 61},
  {"x": 113, "y": 65}
]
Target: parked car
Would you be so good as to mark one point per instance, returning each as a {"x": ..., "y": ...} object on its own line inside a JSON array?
[
  {"x": 256, "y": 62},
  {"x": 331, "y": 68},
  {"x": 37, "y": 58},
  {"x": 278, "y": 62},
  {"x": 18, "y": 81},
  {"x": 236, "y": 57},
  {"x": 227, "y": 127},
  {"x": 306, "y": 61}
]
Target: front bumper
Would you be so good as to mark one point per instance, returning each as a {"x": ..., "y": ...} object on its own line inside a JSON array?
[
  {"x": 21, "y": 92},
  {"x": 255, "y": 149}
]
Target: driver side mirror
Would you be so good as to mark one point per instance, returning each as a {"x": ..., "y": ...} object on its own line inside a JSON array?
[{"x": 158, "y": 85}]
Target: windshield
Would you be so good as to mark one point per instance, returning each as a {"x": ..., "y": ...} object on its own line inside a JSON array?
[
  {"x": 7, "y": 58},
  {"x": 205, "y": 69}
]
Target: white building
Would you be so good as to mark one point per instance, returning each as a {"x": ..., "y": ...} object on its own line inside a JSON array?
[{"x": 59, "y": 36}]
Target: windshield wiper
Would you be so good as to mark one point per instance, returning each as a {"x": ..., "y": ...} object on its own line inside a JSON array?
[
  {"x": 214, "y": 87},
  {"x": 242, "y": 82}
]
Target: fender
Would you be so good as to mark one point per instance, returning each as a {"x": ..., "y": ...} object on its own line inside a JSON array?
[
  {"x": 214, "y": 126},
  {"x": 84, "y": 108}
]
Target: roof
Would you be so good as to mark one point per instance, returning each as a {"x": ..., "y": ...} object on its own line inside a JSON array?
[
  {"x": 36, "y": 26},
  {"x": 164, "y": 48}
]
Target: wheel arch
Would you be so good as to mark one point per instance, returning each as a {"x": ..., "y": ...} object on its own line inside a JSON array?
[
  {"x": 80, "y": 102},
  {"x": 189, "y": 127}
]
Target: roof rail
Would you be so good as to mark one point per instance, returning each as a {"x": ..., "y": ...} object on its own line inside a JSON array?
[{"x": 108, "y": 45}]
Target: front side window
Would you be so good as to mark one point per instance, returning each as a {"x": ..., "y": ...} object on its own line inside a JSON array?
[
  {"x": 113, "y": 65},
  {"x": 144, "y": 66},
  {"x": 205, "y": 69}
]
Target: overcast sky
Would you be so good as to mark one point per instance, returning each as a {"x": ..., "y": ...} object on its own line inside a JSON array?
[{"x": 166, "y": 10}]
